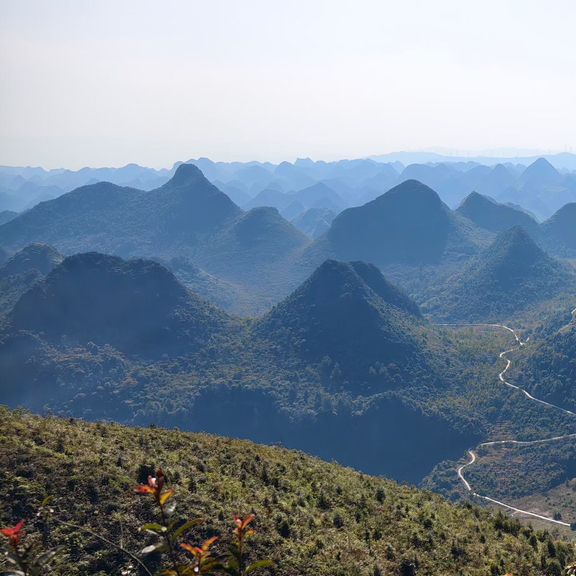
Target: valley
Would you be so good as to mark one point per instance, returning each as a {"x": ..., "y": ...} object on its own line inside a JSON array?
[{"x": 513, "y": 443}]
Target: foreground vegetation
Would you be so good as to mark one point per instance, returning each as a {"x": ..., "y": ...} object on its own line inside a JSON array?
[{"x": 311, "y": 517}]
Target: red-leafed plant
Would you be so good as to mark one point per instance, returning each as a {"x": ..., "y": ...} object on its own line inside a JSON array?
[
  {"x": 203, "y": 559},
  {"x": 24, "y": 558},
  {"x": 181, "y": 557}
]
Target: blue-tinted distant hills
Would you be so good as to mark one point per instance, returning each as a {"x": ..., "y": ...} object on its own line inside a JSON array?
[
  {"x": 121, "y": 219},
  {"x": 314, "y": 222},
  {"x": 561, "y": 160},
  {"x": 7, "y": 215},
  {"x": 491, "y": 215},
  {"x": 262, "y": 253},
  {"x": 187, "y": 217},
  {"x": 409, "y": 224},
  {"x": 23, "y": 187},
  {"x": 541, "y": 185},
  {"x": 293, "y": 204}
]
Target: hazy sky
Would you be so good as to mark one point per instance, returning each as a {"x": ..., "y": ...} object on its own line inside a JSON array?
[{"x": 106, "y": 82}]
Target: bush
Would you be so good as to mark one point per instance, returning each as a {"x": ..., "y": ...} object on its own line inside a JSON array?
[{"x": 169, "y": 551}]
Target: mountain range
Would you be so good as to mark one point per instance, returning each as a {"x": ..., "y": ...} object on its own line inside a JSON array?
[
  {"x": 130, "y": 305},
  {"x": 346, "y": 356},
  {"x": 346, "y": 367},
  {"x": 247, "y": 261},
  {"x": 186, "y": 217},
  {"x": 118, "y": 218},
  {"x": 541, "y": 185}
]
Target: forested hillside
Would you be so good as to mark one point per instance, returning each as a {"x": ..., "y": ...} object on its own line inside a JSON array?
[{"x": 509, "y": 277}]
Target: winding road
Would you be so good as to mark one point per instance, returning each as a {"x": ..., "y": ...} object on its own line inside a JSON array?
[{"x": 472, "y": 455}]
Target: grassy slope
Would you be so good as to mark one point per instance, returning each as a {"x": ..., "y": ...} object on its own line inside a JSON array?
[{"x": 312, "y": 517}]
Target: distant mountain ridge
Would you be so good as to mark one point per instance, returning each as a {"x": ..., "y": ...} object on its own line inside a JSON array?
[
  {"x": 562, "y": 160},
  {"x": 355, "y": 181},
  {"x": 188, "y": 216},
  {"x": 318, "y": 196},
  {"x": 125, "y": 219},
  {"x": 23, "y": 187},
  {"x": 263, "y": 254}
]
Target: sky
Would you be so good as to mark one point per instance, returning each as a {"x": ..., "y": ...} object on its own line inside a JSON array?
[{"x": 108, "y": 82}]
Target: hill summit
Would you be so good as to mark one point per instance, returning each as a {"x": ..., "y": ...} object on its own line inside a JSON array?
[
  {"x": 35, "y": 257},
  {"x": 408, "y": 224},
  {"x": 559, "y": 231},
  {"x": 540, "y": 173},
  {"x": 491, "y": 215},
  {"x": 136, "y": 306},
  {"x": 189, "y": 204},
  {"x": 187, "y": 175},
  {"x": 347, "y": 311},
  {"x": 511, "y": 274}
]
